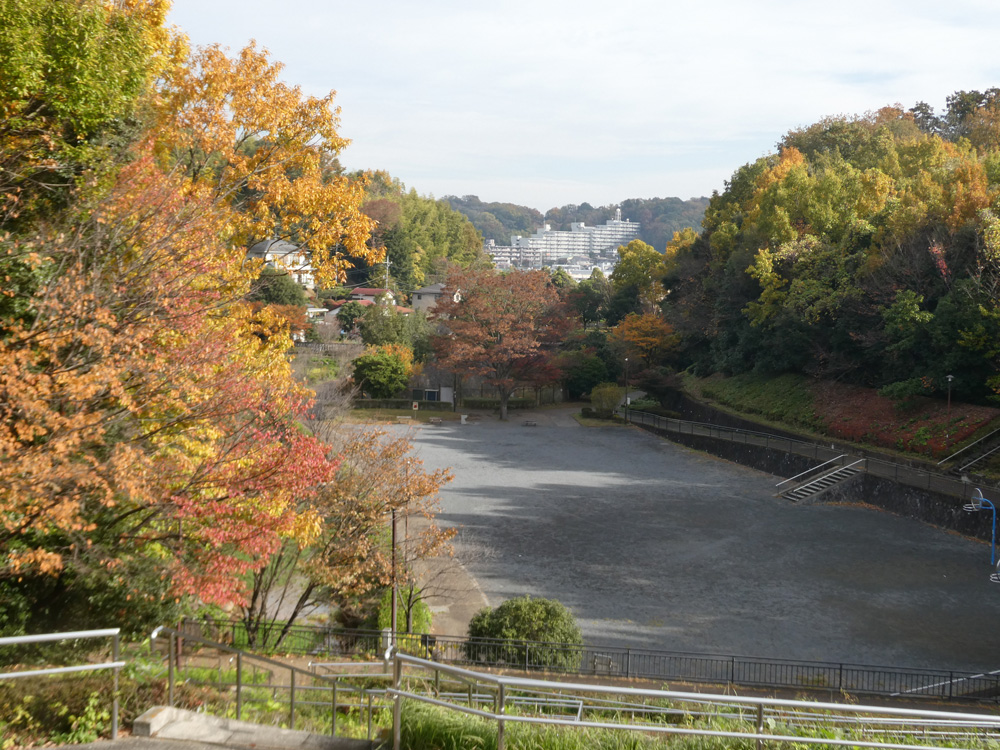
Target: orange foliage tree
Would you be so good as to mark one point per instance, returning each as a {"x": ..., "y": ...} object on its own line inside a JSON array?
[
  {"x": 647, "y": 336},
  {"x": 148, "y": 417},
  {"x": 351, "y": 555}
]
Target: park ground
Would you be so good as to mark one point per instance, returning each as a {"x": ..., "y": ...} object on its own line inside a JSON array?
[{"x": 653, "y": 545}]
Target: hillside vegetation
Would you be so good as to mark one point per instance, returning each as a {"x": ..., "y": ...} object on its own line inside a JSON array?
[
  {"x": 849, "y": 413},
  {"x": 866, "y": 250}
]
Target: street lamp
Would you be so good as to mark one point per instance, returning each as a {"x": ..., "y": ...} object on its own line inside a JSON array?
[
  {"x": 626, "y": 390},
  {"x": 947, "y": 431}
]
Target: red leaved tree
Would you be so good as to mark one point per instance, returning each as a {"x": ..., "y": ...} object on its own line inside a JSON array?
[{"x": 499, "y": 326}]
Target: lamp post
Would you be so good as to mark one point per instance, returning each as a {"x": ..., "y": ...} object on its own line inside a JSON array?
[
  {"x": 395, "y": 591},
  {"x": 626, "y": 390},
  {"x": 947, "y": 431}
]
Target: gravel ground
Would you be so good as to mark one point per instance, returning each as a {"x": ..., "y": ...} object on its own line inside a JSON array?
[{"x": 653, "y": 545}]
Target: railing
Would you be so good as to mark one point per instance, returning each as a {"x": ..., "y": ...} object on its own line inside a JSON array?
[
  {"x": 510, "y": 701},
  {"x": 969, "y": 447},
  {"x": 114, "y": 664},
  {"x": 634, "y": 663},
  {"x": 926, "y": 480},
  {"x": 813, "y": 470},
  {"x": 305, "y": 688}
]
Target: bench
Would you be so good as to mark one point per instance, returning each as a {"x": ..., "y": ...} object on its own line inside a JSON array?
[
  {"x": 530, "y": 423},
  {"x": 404, "y": 420},
  {"x": 435, "y": 420}
]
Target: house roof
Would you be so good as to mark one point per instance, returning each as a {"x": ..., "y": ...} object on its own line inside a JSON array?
[
  {"x": 278, "y": 247},
  {"x": 371, "y": 292},
  {"x": 430, "y": 289}
]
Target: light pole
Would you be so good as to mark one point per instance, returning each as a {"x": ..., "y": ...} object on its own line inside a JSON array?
[
  {"x": 626, "y": 390},
  {"x": 395, "y": 591},
  {"x": 947, "y": 429}
]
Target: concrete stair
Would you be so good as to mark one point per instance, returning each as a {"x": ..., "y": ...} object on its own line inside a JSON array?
[
  {"x": 180, "y": 725},
  {"x": 812, "y": 488}
]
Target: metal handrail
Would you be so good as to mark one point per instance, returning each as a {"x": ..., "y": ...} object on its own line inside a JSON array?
[
  {"x": 115, "y": 664},
  {"x": 810, "y": 471},
  {"x": 914, "y": 721},
  {"x": 334, "y": 685},
  {"x": 960, "y": 451},
  {"x": 658, "y": 664}
]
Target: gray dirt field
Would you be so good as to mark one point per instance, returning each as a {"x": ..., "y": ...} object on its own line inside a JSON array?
[{"x": 654, "y": 545}]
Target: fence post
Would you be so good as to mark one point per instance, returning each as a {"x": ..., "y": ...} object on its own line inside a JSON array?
[
  {"x": 171, "y": 650},
  {"x": 760, "y": 725},
  {"x": 628, "y": 661},
  {"x": 115, "y": 651},
  {"x": 397, "y": 706},
  {"x": 527, "y": 648},
  {"x": 368, "y": 693},
  {"x": 239, "y": 685},
  {"x": 501, "y": 700},
  {"x": 291, "y": 708},
  {"x": 732, "y": 670},
  {"x": 333, "y": 717}
]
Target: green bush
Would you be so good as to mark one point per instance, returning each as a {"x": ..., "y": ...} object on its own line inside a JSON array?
[
  {"x": 605, "y": 398},
  {"x": 644, "y": 404},
  {"x": 526, "y": 632},
  {"x": 381, "y": 374}
]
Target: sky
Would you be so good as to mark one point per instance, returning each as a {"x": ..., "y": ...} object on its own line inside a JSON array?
[{"x": 557, "y": 102}]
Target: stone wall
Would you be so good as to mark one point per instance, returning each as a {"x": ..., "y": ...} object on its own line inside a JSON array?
[{"x": 939, "y": 510}]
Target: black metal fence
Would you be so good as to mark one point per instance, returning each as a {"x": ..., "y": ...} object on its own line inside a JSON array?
[{"x": 614, "y": 662}]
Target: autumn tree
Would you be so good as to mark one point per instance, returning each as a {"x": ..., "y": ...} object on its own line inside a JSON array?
[
  {"x": 499, "y": 322},
  {"x": 647, "y": 336},
  {"x": 350, "y": 555},
  {"x": 148, "y": 416}
]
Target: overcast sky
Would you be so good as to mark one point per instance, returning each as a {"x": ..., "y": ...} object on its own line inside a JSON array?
[{"x": 552, "y": 102}]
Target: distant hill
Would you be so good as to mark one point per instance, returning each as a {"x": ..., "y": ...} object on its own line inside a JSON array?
[
  {"x": 659, "y": 218},
  {"x": 497, "y": 221}
]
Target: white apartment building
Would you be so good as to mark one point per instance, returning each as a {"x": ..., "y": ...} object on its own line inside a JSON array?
[{"x": 545, "y": 247}]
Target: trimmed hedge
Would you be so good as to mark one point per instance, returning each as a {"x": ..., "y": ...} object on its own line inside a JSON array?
[
  {"x": 494, "y": 403},
  {"x": 400, "y": 403}
]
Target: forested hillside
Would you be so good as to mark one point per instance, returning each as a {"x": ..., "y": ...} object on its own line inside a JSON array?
[
  {"x": 865, "y": 250},
  {"x": 497, "y": 221},
  {"x": 417, "y": 235},
  {"x": 659, "y": 217}
]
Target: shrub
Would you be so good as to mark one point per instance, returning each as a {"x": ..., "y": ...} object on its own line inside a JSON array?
[
  {"x": 526, "y": 632},
  {"x": 381, "y": 374},
  {"x": 605, "y": 398}
]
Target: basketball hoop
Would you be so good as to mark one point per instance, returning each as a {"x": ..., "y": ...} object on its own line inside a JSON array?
[{"x": 977, "y": 501}]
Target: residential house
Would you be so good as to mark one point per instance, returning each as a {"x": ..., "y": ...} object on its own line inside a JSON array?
[{"x": 282, "y": 255}]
